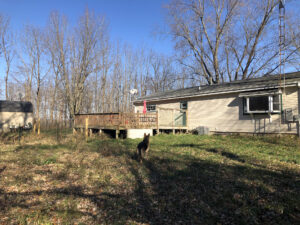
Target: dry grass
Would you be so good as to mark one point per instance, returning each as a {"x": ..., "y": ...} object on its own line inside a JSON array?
[{"x": 185, "y": 180}]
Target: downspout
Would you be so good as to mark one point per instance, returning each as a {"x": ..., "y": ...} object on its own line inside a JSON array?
[{"x": 281, "y": 101}]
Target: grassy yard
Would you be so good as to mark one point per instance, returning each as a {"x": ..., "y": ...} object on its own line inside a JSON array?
[{"x": 186, "y": 179}]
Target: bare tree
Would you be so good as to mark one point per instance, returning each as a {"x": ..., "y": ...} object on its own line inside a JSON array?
[
  {"x": 105, "y": 62},
  {"x": 161, "y": 76},
  {"x": 6, "y": 48},
  {"x": 293, "y": 31},
  {"x": 223, "y": 40},
  {"x": 143, "y": 71},
  {"x": 83, "y": 55},
  {"x": 55, "y": 46},
  {"x": 32, "y": 64},
  {"x": 68, "y": 70}
]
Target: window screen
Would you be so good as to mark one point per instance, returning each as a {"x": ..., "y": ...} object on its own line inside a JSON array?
[
  {"x": 151, "y": 108},
  {"x": 183, "y": 105},
  {"x": 259, "y": 103},
  {"x": 262, "y": 104}
]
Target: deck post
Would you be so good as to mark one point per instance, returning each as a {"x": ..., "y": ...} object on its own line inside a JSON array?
[
  {"x": 125, "y": 116},
  {"x": 173, "y": 119},
  {"x": 34, "y": 127},
  {"x": 86, "y": 128},
  {"x": 120, "y": 117},
  {"x": 39, "y": 126},
  {"x": 74, "y": 129},
  {"x": 298, "y": 128},
  {"x": 157, "y": 121},
  {"x": 117, "y": 134},
  {"x": 138, "y": 120},
  {"x": 186, "y": 118},
  {"x": 100, "y": 132}
]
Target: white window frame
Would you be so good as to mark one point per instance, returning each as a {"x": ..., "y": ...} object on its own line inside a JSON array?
[{"x": 270, "y": 101}]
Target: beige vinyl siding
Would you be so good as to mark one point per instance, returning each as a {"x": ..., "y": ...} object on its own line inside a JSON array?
[
  {"x": 224, "y": 113},
  {"x": 8, "y": 119},
  {"x": 291, "y": 99}
]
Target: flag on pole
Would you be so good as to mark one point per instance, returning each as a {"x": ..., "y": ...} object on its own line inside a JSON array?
[{"x": 145, "y": 107}]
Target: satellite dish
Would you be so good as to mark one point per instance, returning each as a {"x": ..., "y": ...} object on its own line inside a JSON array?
[{"x": 133, "y": 91}]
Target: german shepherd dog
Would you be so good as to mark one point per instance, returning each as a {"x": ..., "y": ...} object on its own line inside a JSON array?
[{"x": 143, "y": 147}]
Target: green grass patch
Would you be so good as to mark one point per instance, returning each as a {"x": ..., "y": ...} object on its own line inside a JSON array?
[{"x": 186, "y": 179}]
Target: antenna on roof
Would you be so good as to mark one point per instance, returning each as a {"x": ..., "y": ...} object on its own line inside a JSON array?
[
  {"x": 281, "y": 42},
  {"x": 281, "y": 52}
]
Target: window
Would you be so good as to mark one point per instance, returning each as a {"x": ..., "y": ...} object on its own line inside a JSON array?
[
  {"x": 259, "y": 103},
  {"x": 183, "y": 105},
  {"x": 276, "y": 103},
  {"x": 151, "y": 108},
  {"x": 262, "y": 104}
]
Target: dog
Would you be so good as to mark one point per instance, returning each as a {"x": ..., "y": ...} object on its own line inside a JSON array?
[{"x": 143, "y": 147}]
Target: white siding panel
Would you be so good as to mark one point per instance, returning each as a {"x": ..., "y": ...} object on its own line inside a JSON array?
[{"x": 8, "y": 119}]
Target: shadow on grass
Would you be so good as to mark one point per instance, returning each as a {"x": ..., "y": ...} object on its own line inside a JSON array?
[
  {"x": 189, "y": 145},
  {"x": 54, "y": 131},
  {"x": 38, "y": 147},
  {"x": 284, "y": 140},
  {"x": 185, "y": 191},
  {"x": 226, "y": 154},
  {"x": 232, "y": 156},
  {"x": 220, "y": 151}
]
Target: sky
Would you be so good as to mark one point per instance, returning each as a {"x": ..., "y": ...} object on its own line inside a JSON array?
[{"x": 131, "y": 21}]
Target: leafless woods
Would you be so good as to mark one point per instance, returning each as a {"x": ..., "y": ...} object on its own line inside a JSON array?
[
  {"x": 66, "y": 69},
  {"x": 226, "y": 40}
]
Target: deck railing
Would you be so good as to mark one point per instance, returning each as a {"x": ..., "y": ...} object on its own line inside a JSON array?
[{"x": 117, "y": 120}]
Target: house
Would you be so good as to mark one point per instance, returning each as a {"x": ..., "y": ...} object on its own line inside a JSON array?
[
  {"x": 268, "y": 104},
  {"x": 15, "y": 114}
]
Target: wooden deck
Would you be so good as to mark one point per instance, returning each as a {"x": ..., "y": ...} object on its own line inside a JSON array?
[{"x": 123, "y": 121}]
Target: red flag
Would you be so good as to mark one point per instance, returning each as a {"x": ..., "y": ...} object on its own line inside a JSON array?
[{"x": 145, "y": 107}]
